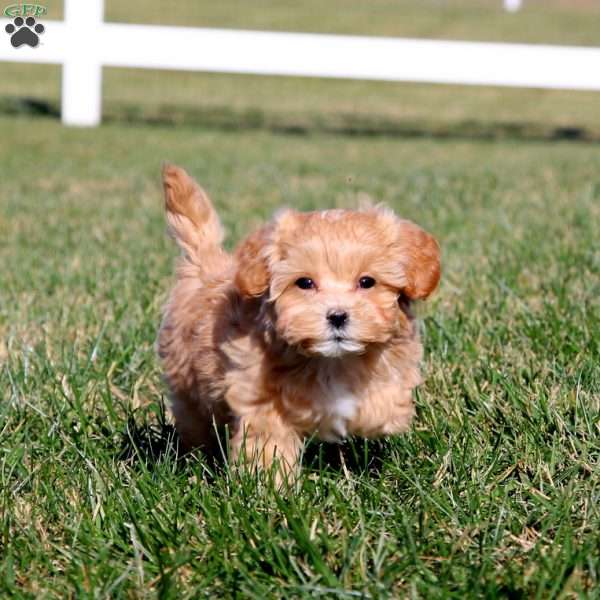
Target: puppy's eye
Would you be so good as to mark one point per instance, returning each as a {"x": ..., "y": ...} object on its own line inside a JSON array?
[
  {"x": 305, "y": 283},
  {"x": 366, "y": 282}
]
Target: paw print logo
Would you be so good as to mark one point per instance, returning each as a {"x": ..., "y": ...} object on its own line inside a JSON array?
[{"x": 24, "y": 32}]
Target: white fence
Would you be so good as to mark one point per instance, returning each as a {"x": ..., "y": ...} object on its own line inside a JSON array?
[{"x": 83, "y": 43}]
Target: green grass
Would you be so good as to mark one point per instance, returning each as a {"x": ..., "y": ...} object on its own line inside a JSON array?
[
  {"x": 540, "y": 21},
  {"x": 494, "y": 492}
]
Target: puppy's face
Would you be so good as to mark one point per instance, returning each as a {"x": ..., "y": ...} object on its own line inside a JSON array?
[{"x": 334, "y": 277}]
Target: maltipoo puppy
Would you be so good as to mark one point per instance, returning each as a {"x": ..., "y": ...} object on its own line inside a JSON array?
[{"x": 305, "y": 329}]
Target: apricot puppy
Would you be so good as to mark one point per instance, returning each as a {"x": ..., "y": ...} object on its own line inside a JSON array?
[{"x": 306, "y": 328}]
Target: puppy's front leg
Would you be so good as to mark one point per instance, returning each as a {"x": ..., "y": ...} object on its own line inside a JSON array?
[
  {"x": 385, "y": 411},
  {"x": 263, "y": 439}
]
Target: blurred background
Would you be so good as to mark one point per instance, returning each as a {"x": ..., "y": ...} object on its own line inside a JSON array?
[{"x": 302, "y": 104}]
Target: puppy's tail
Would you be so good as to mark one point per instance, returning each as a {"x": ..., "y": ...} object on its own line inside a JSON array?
[{"x": 192, "y": 220}]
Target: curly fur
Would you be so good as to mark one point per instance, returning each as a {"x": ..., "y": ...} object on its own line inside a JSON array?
[{"x": 242, "y": 345}]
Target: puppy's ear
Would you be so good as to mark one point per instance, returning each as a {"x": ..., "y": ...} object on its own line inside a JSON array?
[
  {"x": 252, "y": 276},
  {"x": 261, "y": 250},
  {"x": 191, "y": 217},
  {"x": 420, "y": 260}
]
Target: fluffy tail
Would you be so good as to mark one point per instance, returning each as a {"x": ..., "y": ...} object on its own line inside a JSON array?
[{"x": 192, "y": 220}]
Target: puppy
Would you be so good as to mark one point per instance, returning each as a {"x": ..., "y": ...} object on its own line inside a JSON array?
[{"x": 305, "y": 329}]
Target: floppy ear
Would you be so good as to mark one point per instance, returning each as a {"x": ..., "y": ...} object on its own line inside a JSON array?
[
  {"x": 260, "y": 250},
  {"x": 252, "y": 276},
  {"x": 420, "y": 260}
]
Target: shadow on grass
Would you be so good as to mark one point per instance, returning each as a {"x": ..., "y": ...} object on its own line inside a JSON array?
[
  {"x": 355, "y": 455},
  {"x": 29, "y": 106},
  {"x": 348, "y": 124},
  {"x": 149, "y": 443}
]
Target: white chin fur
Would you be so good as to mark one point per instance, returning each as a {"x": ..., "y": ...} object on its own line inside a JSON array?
[{"x": 334, "y": 348}]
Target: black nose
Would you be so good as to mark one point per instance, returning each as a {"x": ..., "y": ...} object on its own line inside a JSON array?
[{"x": 337, "y": 318}]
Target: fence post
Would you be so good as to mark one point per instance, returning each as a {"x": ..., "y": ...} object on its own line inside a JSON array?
[
  {"x": 81, "y": 97},
  {"x": 513, "y": 5}
]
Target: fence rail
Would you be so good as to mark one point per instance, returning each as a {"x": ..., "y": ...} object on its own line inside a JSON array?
[{"x": 83, "y": 43}]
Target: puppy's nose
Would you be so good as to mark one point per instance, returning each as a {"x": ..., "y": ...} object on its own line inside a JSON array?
[{"x": 337, "y": 318}]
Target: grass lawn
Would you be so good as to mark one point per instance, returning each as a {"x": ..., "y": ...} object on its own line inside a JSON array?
[{"x": 494, "y": 492}]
